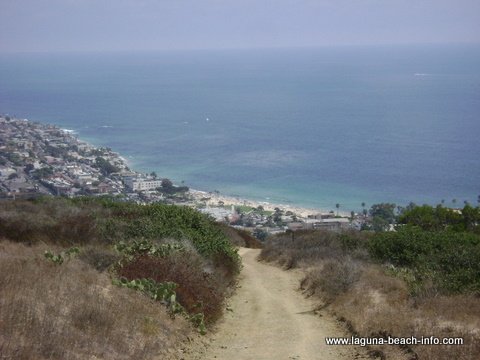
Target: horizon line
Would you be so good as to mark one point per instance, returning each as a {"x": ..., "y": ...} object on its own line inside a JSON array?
[{"x": 240, "y": 48}]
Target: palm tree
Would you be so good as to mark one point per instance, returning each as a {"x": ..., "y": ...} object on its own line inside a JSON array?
[
  {"x": 337, "y": 206},
  {"x": 364, "y": 211}
]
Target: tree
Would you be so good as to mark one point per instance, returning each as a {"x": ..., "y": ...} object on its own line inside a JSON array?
[
  {"x": 432, "y": 219},
  {"x": 153, "y": 174},
  {"x": 260, "y": 234},
  {"x": 338, "y": 207},
  {"x": 471, "y": 217},
  {"x": 385, "y": 211},
  {"x": 166, "y": 187},
  {"x": 105, "y": 167},
  {"x": 167, "y": 184},
  {"x": 42, "y": 173},
  {"x": 364, "y": 211},
  {"x": 379, "y": 224}
]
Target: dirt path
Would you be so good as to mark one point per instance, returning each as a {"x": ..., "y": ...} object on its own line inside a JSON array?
[{"x": 270, "y": 319}]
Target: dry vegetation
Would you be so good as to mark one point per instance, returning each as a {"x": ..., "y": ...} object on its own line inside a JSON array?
[
  {"x": 372, "y": 300},
  {"x": 241, "y": 238},
  {"x": 73, "y": 312},
  {"x": 198, "y": 291},
  {"x": 70, "y": 309}
]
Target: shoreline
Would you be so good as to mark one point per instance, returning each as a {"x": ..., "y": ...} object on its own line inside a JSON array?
[
  {"x": 210, "y": 198},
  {"x": 228, "y": 200}
]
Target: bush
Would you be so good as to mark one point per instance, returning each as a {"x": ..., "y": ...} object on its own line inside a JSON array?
[
  {"x": 310, "y": 247},
  {"x": 99, "y": 258},
  {"x": 156, "y": 221},
  {"x": 82, "y": 221},
  {"x": 198, "y": 290},
  {"x": 240, "y": 237},
  {"x": 450, "y": 259},
  {"x": 440, "y": 218},
  {"x": 331, "y": 279},
  {"x": 411, "y": 296}
]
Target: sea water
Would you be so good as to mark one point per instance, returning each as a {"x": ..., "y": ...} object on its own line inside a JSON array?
[{"x": 311, "y": 127}]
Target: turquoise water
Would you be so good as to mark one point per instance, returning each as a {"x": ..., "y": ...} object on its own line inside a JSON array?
[{"x": 312, "y": 127}]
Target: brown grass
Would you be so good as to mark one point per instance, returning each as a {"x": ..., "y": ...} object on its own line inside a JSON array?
[
  {"x": 379, "y": 304},
  {"x": 71, "y": 311},
  {"x": 373, "y": 303},
  {"x": 241, "y": 238},
  {"x": 332, "y": 278},
  {"x": 307, "y": 248},
  {"x": 56, "y": 222},
  {"x": 99, "y": 257}
]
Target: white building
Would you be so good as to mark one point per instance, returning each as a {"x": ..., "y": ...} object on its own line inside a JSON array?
[{"x": 143, "y": 184}]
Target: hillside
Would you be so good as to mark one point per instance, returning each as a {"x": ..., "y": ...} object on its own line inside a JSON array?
[
  {"x": 399, "y": 284},
  {"x": 85, "y": 277}
]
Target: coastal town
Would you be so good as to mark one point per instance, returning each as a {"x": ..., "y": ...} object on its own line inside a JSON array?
[{"x": 39, "y": 159}]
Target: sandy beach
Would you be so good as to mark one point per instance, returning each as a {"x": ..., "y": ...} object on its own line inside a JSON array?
[{"x": 215, "y": 198}]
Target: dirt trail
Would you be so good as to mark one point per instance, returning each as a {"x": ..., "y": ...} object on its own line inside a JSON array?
[{"x": 270, "y": 319}]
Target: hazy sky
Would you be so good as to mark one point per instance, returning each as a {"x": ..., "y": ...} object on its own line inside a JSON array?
[{"x": 78, "y": 25}]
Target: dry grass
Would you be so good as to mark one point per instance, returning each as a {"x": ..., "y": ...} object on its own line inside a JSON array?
[
  {"x": 373, "y": 303},
  {"x": 379, "y": 305},
  {"x": 56, "y": 222},
  {"x": 332, "y": 278},
  {"x": 309, "y": 248},
  {"x": 241, "y": 238},
  {"x": 99, "y": 257},
  {"x": 71, "y": 311}
]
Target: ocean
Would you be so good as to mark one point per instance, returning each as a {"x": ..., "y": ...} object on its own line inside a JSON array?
[{"x": 310, "y": 127}]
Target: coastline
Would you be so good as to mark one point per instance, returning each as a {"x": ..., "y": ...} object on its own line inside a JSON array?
[
  {"x": 212, "y": 199},
  {"x": 215, "y": 198},
  {"x": 228, "y": 200}
]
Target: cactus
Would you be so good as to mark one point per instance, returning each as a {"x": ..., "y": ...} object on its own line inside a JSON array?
[
  {"x": 59, "y": 259},
  {"x": 147, "y": 247},
  {"x": 164, "y": 293}
]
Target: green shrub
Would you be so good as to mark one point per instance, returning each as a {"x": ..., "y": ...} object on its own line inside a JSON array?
[
  {"x": 450, "y": 259},
  {"x": 85, "y": 220}
]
